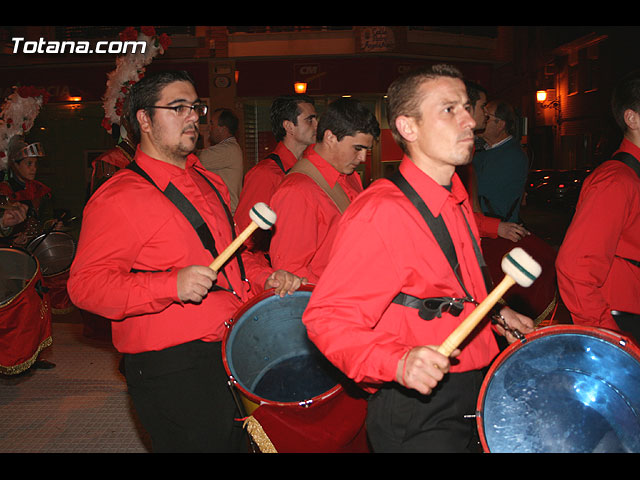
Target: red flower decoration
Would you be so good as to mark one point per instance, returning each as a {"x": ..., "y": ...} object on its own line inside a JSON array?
[
  {"x": 30, "y": 91},
  {"x": 129, "y": 33},
  {"x": 164, "y": 40},
  {"x": 106, "y": 123},
  {"x": 148, "y": 31}
]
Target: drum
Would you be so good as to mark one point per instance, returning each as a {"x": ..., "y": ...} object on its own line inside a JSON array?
[
  {"x": 55, "y": 252},
  {"x": 564, "y": 389},
  {"x": 298, "y": 399},
  {"x": 538, "y": 301},
  {"x": 25, "y": 311}
]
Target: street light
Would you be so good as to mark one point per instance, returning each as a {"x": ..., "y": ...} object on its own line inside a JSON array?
[{"x": 541, "y": 97}]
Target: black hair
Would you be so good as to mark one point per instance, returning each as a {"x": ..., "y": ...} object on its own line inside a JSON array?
[
  {"x": 146, "y": 92},
  {"x": 346, "y": 117},
  {"x": 285, "y": 107}
]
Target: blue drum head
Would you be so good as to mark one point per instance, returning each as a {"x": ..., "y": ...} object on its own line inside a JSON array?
[
  {"x": 563, "y": 392},
  {"x": 269, "y": 355}
]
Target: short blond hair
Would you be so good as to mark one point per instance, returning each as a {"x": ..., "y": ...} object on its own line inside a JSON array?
[{"x": 403, "y": 97}]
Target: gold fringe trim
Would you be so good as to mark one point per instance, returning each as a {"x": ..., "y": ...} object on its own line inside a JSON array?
[
  {"x": 14, "y": 370},
  {"x": 542, "y": 320},
  {"x": 258, "y": 435}
]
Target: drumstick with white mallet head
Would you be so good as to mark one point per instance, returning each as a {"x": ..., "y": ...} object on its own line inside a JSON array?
[
  {"x": 261, "y": 216},
  {"x": 519, "y": 267}
]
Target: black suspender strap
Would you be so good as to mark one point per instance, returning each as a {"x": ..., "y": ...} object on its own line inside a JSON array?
[
  {"x": 193, "y": 216},
  {"x": 278, "y": 161},
  {"x": 633, "y": 163},
  {"x": 629, "y": 160},
  {"x": 442, "y": 236}
]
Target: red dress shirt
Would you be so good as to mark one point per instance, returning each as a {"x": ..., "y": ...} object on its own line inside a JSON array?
[
  {"x": 260, "y": 182},
  {"x": 593, "y": 279},
  {"x": 129, "y": 224},
  {"x": 383, "y": 246},
  {"x": 307, "y": 219}
]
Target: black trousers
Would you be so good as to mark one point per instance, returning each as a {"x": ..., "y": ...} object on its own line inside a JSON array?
[
  {"x": 182, "y": 399},
  {"x": 403, "y": 420}
]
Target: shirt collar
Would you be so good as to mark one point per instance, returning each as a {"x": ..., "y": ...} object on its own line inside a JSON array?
[
  {"x": 630, "y": 147},
  {"x": 286, "y": 156},
  {"x": 433, "y": 194},
  {"x": 328, "y": 171},
  {"x": 501, "y": 142},
  {"x": 162, "y": 172}
]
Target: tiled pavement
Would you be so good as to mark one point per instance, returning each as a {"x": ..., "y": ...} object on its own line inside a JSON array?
[{"x": 80, "y": 406}]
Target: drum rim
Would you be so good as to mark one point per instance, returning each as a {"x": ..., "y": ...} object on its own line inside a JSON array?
[
  {"x": 236, "y": 384},
  {"x": 55, "y": 232},
  {"x": 31, "y": 280},
  {"x": 613, "y": 337}
]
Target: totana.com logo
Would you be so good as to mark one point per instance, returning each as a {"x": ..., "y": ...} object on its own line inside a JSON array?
[{"x": 20, "y": 45}]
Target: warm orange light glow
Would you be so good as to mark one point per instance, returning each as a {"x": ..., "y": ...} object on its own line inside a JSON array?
[
  {"x": 541, "y": 95},
  {"x": 300, "y": 87},
  {"x": 74, "y": 99}
]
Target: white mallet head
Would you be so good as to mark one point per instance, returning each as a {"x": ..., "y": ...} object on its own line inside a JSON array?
[
  {"x": 263, "y": 215},
  {"x": 520, "y": 266}
]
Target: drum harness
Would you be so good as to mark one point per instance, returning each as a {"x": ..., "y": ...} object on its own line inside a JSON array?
[
  {"x": 628, "y": 321},
  {"x": 191, "y": 214},
  {"x": 430, "y": 308}
]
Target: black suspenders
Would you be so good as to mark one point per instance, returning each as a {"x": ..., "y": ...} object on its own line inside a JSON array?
[
  {"x": 433, "y": 307},
  {"x": 191, "y": 214},
  {"x": 633, "y": 163},
  {"x": 278, "y": 161}
]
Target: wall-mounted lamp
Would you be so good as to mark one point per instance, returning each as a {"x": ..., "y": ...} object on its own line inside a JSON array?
[
  {"x": 541, "y": 97},
  {"x": 300, "y": 87}
]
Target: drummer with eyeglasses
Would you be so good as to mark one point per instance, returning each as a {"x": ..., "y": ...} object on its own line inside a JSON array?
[{"x": 143, "y": 264}]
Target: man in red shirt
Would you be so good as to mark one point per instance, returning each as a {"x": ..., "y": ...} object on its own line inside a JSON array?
[
  {"x": 310, "y": 200},
  {"x": 294, "y": 122},
  {"x": 598, "y": 263},
  {"x": 383, "y": 248},
  {"x": 141, "y": 263}
]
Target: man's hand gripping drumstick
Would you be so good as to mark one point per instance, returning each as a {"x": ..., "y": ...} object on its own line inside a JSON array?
[
  {"x": 421, "y": 368},
  {"x": 195, "y": 281}
]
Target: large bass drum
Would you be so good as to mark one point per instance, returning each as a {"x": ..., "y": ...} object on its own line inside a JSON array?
[
  {"x": 25, "y": 311},
  {"x": 564, "y": 389},
  {"x": 296, "y": 400},
  {"x": 55, "y": 252}
]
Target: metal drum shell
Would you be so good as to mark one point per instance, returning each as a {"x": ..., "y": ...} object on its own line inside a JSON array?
[
  {"x": 55, "y": 252},
  {"x": 249, "y": 313},
  {"x": 28, "y": 271},
  {"x": 539, "y": 393},
  {"x": 25, "y": 317}
]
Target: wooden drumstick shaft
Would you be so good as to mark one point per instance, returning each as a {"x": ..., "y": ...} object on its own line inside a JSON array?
[
  {"x": 468, "y": 324},
  {"x": 233, "y": 246}
]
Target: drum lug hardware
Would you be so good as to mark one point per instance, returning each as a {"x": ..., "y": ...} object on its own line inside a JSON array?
[{"x": 305, "y": 403}]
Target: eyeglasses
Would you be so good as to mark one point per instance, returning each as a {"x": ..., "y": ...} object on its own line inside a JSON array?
[{"x": 183, "y": 110}]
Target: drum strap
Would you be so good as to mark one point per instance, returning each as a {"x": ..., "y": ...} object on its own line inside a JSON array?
[
  {"x": 191, "y": 214},
  {"x": 629, "y": 160},
  {"x": 276, "y": 159},
  {"x": 433, "y": 307},
  {"x": 633, "y": 163}
]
